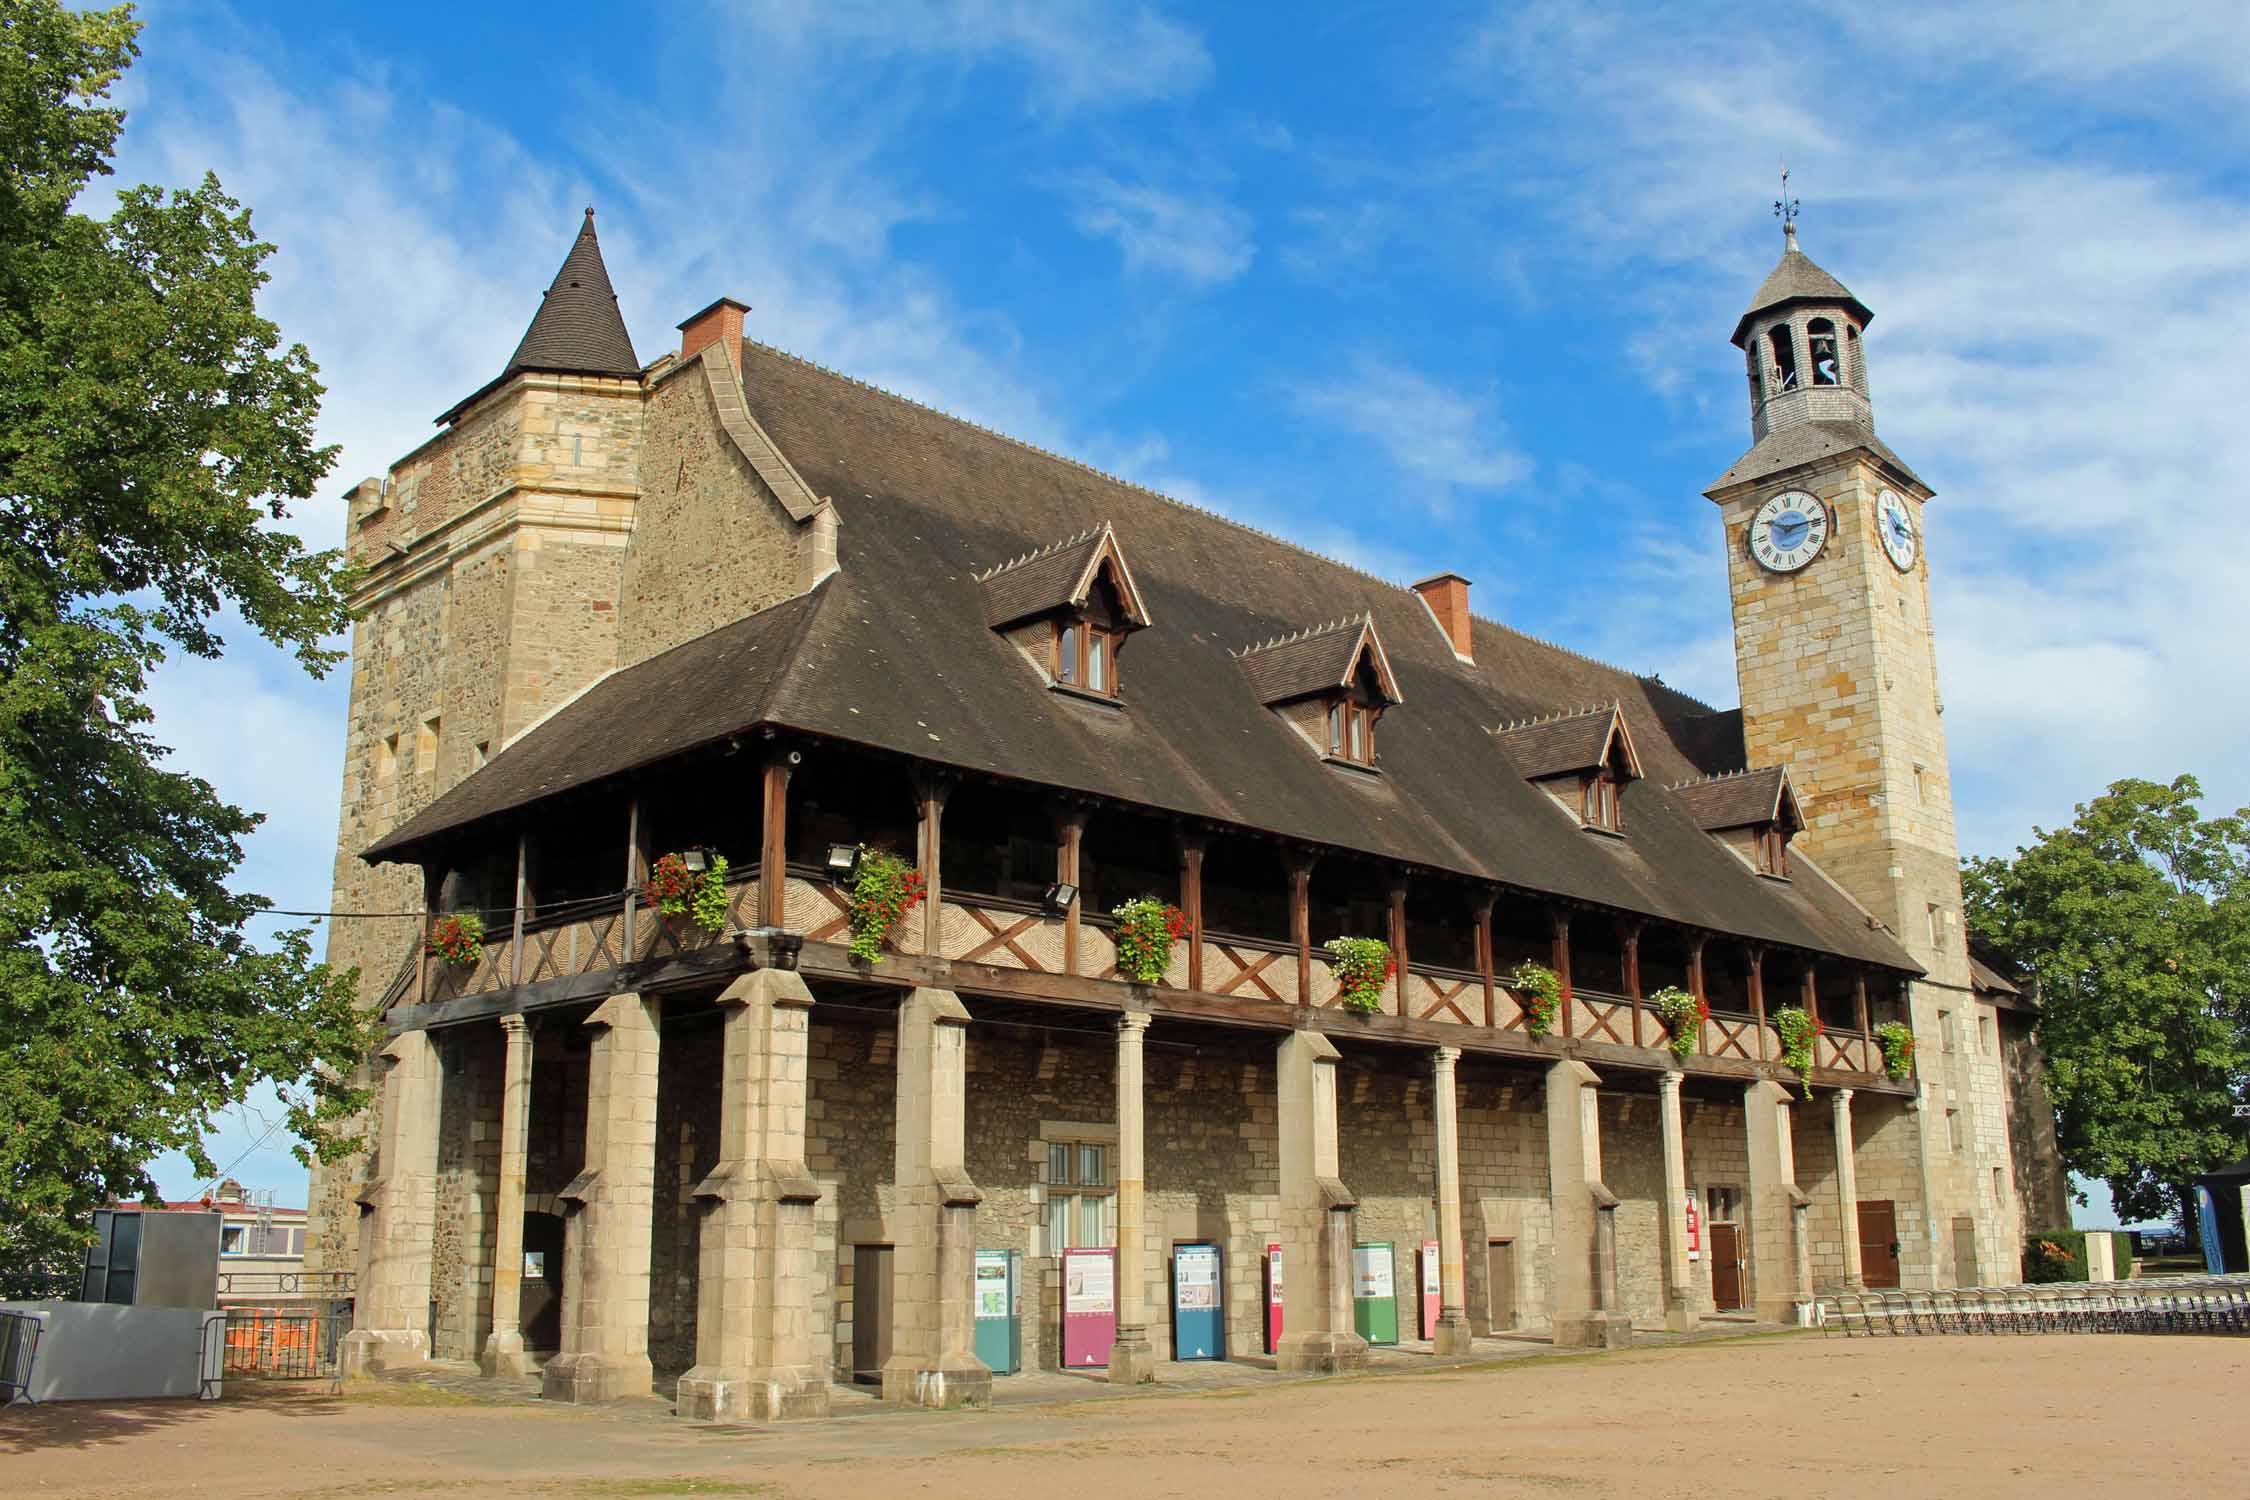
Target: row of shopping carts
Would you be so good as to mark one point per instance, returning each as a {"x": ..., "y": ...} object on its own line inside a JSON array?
[{"x": 2171, "y": 1304}]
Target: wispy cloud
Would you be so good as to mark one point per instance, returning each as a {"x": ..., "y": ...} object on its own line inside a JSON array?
[
  {"x": 1196, "y": 236},
  {"x": 1440, "y": 438}
]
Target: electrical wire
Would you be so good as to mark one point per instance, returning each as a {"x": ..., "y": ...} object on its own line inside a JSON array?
[{"x": 551, "y": 909}]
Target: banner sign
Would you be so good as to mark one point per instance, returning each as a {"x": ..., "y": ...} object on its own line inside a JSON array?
[
  {"x": 1089, "y": 1308},
  {"x": 1273, "y": 1298}
]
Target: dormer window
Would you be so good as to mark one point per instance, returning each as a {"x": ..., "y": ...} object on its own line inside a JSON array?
[
  {"x": 1582, "y": 760},
  {"x": 1331, "y": 684},
  {"x": 1069, "y": 608},
  {"x": 1754, "y": 813}
]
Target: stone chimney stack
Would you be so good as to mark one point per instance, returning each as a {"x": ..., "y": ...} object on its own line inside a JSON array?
[
  {"x": 1447, "y": 596},
  {"x": 721, "y": 324}
]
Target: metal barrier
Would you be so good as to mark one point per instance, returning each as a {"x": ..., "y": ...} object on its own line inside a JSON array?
[
  {"x": 322, "y": 1286},
  {"x": 19, "y": 1350},
  {"x": 287, "y": 1343},
  {"x": 2175, "y": 1304}
]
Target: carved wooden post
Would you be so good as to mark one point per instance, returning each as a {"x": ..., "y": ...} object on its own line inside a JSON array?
[
  {"x": 1561, "y": 920},
  {"x": 773, "y": 850},
  {"x": 1809, "y": 990},
  {"x": 1632, "y": 937},
  {"x": 515, "y": 927},
  {"x": 636, "y": 875},
  {"x": 1070, "y": 835},
  {"x": 1398, "y": 944},
  {"x": 1484, "y": 958},
  {"x": 1695, "y": 986},
  {"x": 1859, "y": 1013},
  {"x": 1191, "y": 903},
  {"x": 930, "y": 789},
  {"x": 1300, "y": 921},
  {"x": 1757, "y": 956}
]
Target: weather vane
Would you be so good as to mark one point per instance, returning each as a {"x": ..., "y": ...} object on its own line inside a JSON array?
[{"x": 1785, "y": 207}]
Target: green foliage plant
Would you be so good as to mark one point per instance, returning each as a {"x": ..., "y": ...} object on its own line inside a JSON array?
[
  {"x": 884, "y": 889},
  {"x": 1146, "y": 930},
  {"x": 2131, "y": 926},
  {"x": 1362, "y": 965},
  {"x": 1683, "y": 1016},
  {"x": 707, "y": 905},
  {"x": 1539, "y": 990},
  {"x": 154, "y": 428},
  {"x": 1797, "y": 1030},
  {"x": 1897, "y": 1039},
  {"x": 458, "y": 938}
]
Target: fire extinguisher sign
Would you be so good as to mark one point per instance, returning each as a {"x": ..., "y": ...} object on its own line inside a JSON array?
[{"x": 1694, "y": 1230}]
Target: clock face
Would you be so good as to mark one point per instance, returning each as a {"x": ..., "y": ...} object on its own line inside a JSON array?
[
  {"x": 1788, "y": 531},
  {"x": 1894, "y": 523}
]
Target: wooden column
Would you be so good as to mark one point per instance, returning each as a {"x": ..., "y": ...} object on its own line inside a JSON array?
[
  {"x": 1300, "y": 921},
  {"x": 1398, "y": 945},
  {"x": 430, "y": 878},
  {"x": 1631, "y": 936},
  {"x": 1809, "y": 990},
  {"x": 515, "y": 927},
  {"x": 773, "y": 846},
  {"x": 1859, "y": 1008},
  {"x": 1561, "y": 921},
  {"x": 1758, "y": 993},
  {"x": 1070, "y": 835},
  {"x": 1191, "y": 903},
  {"x": 636, "y": 874},
  {"x": 930, "y": 790},
  {"x": 1695, "y": 985},
  {"x": 1484, "y": 959}
]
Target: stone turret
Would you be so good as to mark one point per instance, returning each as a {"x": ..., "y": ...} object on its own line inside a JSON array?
[{"x": 1801, "y": 337}]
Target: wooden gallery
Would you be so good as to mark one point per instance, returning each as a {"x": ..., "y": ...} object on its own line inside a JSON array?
[{"x": 903, "y": 906}]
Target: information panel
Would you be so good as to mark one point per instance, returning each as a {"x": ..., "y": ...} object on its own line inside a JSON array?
[
  {"x": 1273, "y": 1298},
  {"x": 999, "y": 1343},
  {"x": 1375, "y": 1292},
  {"x": 1089, "y": 1323},
  {"x": 1198, "y": 1314},
  {"x": 1430, "y": 1290}
]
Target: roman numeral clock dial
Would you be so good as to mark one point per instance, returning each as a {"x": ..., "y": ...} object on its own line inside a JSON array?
[{"x": 1788, "y": 531}]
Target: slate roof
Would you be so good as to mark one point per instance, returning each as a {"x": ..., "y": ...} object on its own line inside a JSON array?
[
  {"x": 1734, "y": 800},
  {"x": 1564, "y": 742},
  {"x": 895, "y": 651},
  {"x": 1054, "y": 577},
  {"x": 1795, "y": 278},
  {"x": 578, "y": 329},
  {"x": 1805, "y": 443},
  {"x": 1318, "y": 660}
]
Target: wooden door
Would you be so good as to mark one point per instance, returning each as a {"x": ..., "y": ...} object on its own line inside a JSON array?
[
  {"x": 871, "y": 1312},
  {"x": 539, "y": 1306},
  {"x": 1965, "y": 1252},
  {"x": 1500, "y": 1284},
  {"x": 1726, "y": 1267},
  {"x": 1878, "y": 1242}
]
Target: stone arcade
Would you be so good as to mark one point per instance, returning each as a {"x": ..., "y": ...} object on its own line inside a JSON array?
[{"x": 735, "y": 604}]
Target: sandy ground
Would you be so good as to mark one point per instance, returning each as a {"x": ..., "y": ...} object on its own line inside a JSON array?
[{"x": 1795, "y": 1416}]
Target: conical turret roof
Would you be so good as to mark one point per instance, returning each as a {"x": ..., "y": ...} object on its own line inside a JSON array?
[
  {"x": 577, "y": 330},
  {"x": 1795, "y": 278}
]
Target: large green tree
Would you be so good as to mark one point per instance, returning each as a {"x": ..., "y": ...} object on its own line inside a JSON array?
[
  {"x": 2135, "y": 923},
  {"x": 152, "y": 425}
]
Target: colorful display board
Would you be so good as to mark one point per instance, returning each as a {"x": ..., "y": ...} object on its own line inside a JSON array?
[
  {"x": 1273, "y": 1298},
  {"x": 998, "y": 1304},
  {"x": 1089, "y": 1320},
  {"x": 1375, "y": 1292},
  {"x": 1199, "y": 1327},
  {"x": 1430, "y": 1290}
]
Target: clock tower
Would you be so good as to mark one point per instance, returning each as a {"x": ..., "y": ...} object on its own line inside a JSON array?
[{"x": 1829, "y": 581}]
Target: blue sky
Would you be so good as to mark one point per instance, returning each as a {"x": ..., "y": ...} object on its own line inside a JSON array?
[{"x": 1449, "y": 290}]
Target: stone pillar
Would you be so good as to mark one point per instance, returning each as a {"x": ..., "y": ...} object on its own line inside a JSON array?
[
  {"x": 1452, "y": 1334},
  {"x": 398, "y": 1214},
  {"x": 1131, "y": 1360},
  {"x": 756, "y": 1286},
  {"x": 608, "y": 1207},
  {"x": 1585, "y": 1309},
  {"x": 933, "y": 1330},
  {"x": 1847, "y": 1190},
  {"x": 1316, "y": 1215},
  {"x": 503, "y": 1349},
  {"x": 1679, "y": 1285},
  {"x": 1774, "y": 1199}
]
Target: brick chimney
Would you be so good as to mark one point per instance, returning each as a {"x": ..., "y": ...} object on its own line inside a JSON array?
[
  {"x": 721, "y": 324},
  {"x": 1447, "y": 595}
]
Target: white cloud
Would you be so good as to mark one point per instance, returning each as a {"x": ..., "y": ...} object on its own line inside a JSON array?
[
  {"x": 1441, "y": 439},
  {"x": 1196, "y": 236}
]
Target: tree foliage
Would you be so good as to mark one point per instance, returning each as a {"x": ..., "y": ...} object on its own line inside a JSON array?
[
  {"x": 152, "y": 425},
  {"x": 2135, "y": 923}
]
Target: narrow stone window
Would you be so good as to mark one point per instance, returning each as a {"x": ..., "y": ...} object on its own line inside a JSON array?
[
  {"x": 1999, "y": 1186},
  {"x": 386, "y": 758},
  {"x": 480, "y": 754},
  {"x": 1784, "y": 377},
  {"x": 1988, "y": 1035},
  {"x": 426, "y": 746},
  {"x": 1821, "y": 335},
  {"x": 1953, "y": 1129}
]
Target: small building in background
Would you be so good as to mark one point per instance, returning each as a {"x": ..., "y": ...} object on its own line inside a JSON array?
[{"x": 261, "y": 1244}]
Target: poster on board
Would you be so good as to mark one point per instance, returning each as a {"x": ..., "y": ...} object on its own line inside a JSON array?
[
  {"x": 1273, "y": 1298},
  {"x": 1089, "y": 1308}
]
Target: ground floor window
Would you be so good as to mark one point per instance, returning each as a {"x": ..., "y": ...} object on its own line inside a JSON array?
[{"x": 1081, "y": 1196}]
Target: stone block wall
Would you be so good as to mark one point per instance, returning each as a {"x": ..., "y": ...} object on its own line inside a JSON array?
[
  {"x": 467, "y": 1181},
  {"x": 1503, "y": 1119},
  {"x": 1717, "y": 1141}
]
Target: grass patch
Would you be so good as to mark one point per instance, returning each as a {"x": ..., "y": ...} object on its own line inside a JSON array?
[
  {"x": 666, "y": 1489},
  {"x": 410, "y": 1393}
]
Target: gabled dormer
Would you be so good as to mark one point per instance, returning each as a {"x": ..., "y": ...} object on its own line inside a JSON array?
[
  {"x": 1582, "y": 760},
  {"x": 1754, "y": 813},
  {"x": 1069, "y": 608},
  {"x": 1330, "y": 683}
]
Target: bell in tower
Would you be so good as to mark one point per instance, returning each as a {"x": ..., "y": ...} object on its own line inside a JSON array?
[{"x": 1801, "y": 338}]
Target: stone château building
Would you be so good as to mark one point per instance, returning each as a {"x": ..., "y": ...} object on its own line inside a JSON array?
[{"x": 733, "y": 603}]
